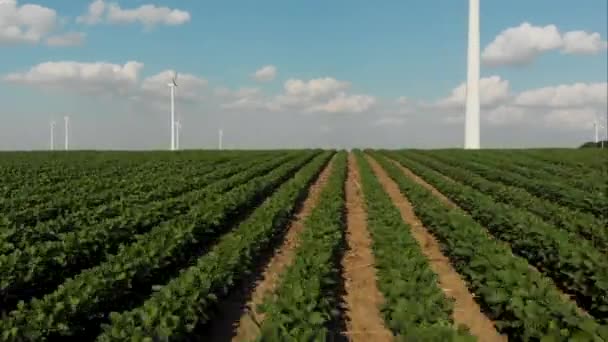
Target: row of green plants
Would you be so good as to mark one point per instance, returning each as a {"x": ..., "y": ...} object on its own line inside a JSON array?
[
  {"x": 28, "y": 186},
  {"x": 126, "y": 278},
  {"x": 583, "y": 224},
  {"x": 40, "y": 267},
  {"x": 305, "y": 304},
  {"x": 146, "y": 187},
  {"x": 187, "y": 301},
  {"x": 589, "y": 180},
  {"x": 92, "y": 191},
  {"x": 575, "y": 199},
  {"x": 573, "y": 263},
  {"x": 415, "y": 308},
  {"x": 523, "y": 304}
]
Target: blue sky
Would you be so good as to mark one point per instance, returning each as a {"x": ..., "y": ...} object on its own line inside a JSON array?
[{"x": 385, "y": 50}]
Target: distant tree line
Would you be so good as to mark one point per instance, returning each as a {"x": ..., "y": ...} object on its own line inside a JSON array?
[{"x": 592, "y": 144}]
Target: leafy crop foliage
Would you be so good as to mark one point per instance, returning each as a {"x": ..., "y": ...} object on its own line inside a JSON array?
[
  {"x": 572, "y": 263},
  {"x": 80, "y": 300},
  {"x": 523, "y": 304},
  {"x": 177, "y": 308},
  {"x": 305, "y": 303},
  {"x": 415, "y": 308}
]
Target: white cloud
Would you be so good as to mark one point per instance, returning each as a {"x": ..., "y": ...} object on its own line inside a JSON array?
[
  {"x": 188, "y": 86},
  {"x": 148, "y": 15},
  {"x": 581, "y": 42},
  {"x": 390, "y": 121},
  {"x": 572, "y": 118},
  {"x": 265, "y": 74},
  {"x": 492, "y": 90},
  {"x": 95, "y": 13},
  {"x": 344, "y": 103},
  {"x": 94, "y": 78},
  {"x": 66, "y": 39},
  {"x": 27, "y": 23},
  {"x": 321, "y": 95},
  {"x": 522, "y": 44},
  {"x": 567, "y": 95},
  {"x": 505, "y": 115}
]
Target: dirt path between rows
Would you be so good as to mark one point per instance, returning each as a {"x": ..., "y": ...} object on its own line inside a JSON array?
[
  {"x": 466, "y": 311},
  {"x": 238, "y": 322},
  {"x": 362, "y": 299},
  {"x": 487, "y": 232}
]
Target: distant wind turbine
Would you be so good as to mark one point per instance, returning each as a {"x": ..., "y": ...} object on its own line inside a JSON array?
[
  {"x": 52, "y": 144},
  {"x": 172, "y": 85},
  {"x": 471, "y": 129},
  {"x": 66, "y": 122}
]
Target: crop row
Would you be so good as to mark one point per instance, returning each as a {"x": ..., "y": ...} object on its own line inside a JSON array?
[
  {"x": 415, "y": 307},
  {"x": 305, "y": 301},
  {"x": 590, "y": 180},
  {"x": 595, "y": 204},
  {"x": 95, "y": 191},
  {"x": 523, "y": 304},
  {"x": 131, "y": 202},
  {"x": 127, "y": 277},
  {"x": 572, "y": 263},
  {"x": 186, "y": 302},
  {"x": 583, "y": 224},
  {"x": 35, "y": 267}
]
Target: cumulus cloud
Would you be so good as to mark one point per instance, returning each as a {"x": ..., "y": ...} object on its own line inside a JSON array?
[
  {"x": 565, "y": 106},
  {"x": 89, "y": 78},
  {"x": 566, "y": 95},
  {"x": 492, "y": 90},
  {"x": 581, "y": 42},
  {"x": 66, "y": 39},
  {"x": 188, "y": 86},
  {"x": 265, "y": 74},
  {"x": 321, "y": 95},
  {"x": 148, "y": 15},
  {"x": 522, "y": 44},
  {"x": 27, "y": 23}
]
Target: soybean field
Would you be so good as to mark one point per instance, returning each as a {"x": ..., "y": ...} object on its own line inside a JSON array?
[{"x": 304, "y": 245}]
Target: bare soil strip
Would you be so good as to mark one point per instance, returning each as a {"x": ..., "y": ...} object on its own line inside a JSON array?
[
  {"x": 244, "y": 324},
  {"x": 466, "y": 311},
  {"x": 362, "y": 299},
  {"x": 452, "y": 205}
]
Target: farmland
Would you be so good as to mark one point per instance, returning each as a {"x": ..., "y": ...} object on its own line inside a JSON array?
[{"x": 304, "y": 245}]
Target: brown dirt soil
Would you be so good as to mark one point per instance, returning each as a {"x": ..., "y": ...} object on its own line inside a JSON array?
[
  {"x": 466, "y": 311},
  {"x": 246, "y": 329},
  {"x": 453, "y": 205},
  {"x": 362, "y": 299}
]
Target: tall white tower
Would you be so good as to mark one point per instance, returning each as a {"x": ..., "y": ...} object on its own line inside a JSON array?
[
  {"x": 66, "y": 122},
  {"x": 52, "y": 145},
  {"x": 220, "y": 139},
  {"x": 471, "y": 125}
]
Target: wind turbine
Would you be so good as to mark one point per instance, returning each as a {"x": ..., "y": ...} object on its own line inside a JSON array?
[
  {"x": 178, "y": 128},
  {"x": 172, "y": 85},
  {"x": 220, "y": 138},
  {"x": 66, "y": 122},
  {"x": 52, "y": 145},
  {"x": 471, "y": 125}
]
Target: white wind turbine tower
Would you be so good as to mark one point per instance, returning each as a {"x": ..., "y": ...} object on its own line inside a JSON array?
[
  {"x": 52, "y": 144},
  {"x": 66, "y": 122},
  {"x": 471, "y": 129},
  {"x": 220, "y": 138},
  {"x": 172, "y": 85},
  {"x": 178, "y": 128}
]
